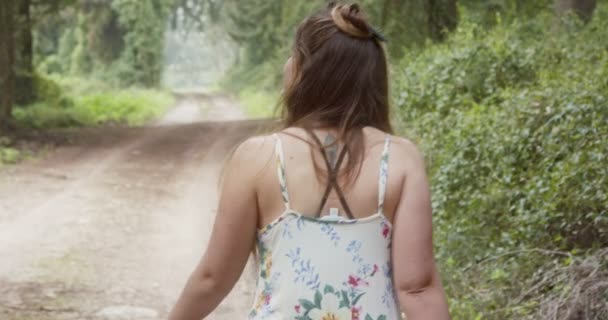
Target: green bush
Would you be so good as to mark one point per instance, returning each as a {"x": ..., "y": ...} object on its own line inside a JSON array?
[
  {"x": 50, "y": 65},
  {"x": 50, "y": 91},
  {"x": 132, "y": 107},
  {"x": 514, "y": 123},
  {"x": 9, "y": 155},
  {"x": 76, "y": 103},
  {"x": 44, "y": 115}
]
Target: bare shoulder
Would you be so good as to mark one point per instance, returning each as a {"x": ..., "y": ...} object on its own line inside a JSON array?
[
  {"x": 251, "y": 155},
  {"x": 406, "y": 146},
  {"x": 409, "y": 153},
  {"x": 252, "y": 147}
]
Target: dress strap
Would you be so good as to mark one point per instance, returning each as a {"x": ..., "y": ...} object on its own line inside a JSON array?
[
  {"x": 332, "y": 178},
  {"x": 383, "y": 174},
  {"x": 280, "y": 161}
]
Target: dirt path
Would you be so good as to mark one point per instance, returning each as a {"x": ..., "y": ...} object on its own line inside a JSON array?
[{"x": 110, "y": 224}]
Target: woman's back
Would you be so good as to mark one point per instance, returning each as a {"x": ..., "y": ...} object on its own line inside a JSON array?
[
  {"x": 306, "y": 189},
  {"x": 342, "y": 228},
  {"x": 325, "y": 259}
]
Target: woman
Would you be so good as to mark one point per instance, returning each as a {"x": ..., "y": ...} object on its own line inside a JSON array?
[{"x": 342, "y": 228}]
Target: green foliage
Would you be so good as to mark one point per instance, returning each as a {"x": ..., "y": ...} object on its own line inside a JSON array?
[
  {"x": 145, "y": 22},
  {"x": 119, "y": 41},
  {"x": 258, "y": 104},
  {"x": 265, "y": 31},
  {"x": 51, "y": 65},
  {"x": 490, "y": 12},
  {"x": 81, "y": 103},
  {"x": 514, "y": 122},
  {"x": 132, "y": 107},
  {"x": 254, "y": 23},
  {"x": 48, "y": 90},
  {"x": 42, "y": 115},
  {"x": 67, "y": 44},
  {"x": 80, "y": 59},
  {"x": 9, "y": 155}
]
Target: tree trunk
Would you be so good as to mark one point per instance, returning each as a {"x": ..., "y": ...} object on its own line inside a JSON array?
[
  {"x": 386, "y": 5},
  {"x": 583, "y": 8},
  {"x": 25, "y": 93},
  {"x": 7, "y": 58},
  {"x": 443, "y": 18}
]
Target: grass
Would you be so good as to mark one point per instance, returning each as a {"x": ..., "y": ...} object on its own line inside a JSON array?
[
  {"x": 258, "y": 103},
  {"x": 127, "y": 106},
  {"x": 9, "y": 155},
  {"x": 131, "y": 107}
]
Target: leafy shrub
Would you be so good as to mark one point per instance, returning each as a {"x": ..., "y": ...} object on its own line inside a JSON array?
[
  {"x": 77, "y": 106},
  {"x": 44, "y": 115},
  {"x": 50, "y": 91},
  {"x": 9, "y": 155},
  {"x": 514, "y": 122},
  {"x": 77, "y": 86},
  {"x": 51, "y": 64},
  {"x": 132, "y": 107}
]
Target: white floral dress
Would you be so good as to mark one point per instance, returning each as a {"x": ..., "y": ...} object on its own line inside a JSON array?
[{"x": 328, "y": 268}]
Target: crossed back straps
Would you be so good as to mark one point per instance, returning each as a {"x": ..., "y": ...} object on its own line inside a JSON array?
[{"x": 332, "y": 175}]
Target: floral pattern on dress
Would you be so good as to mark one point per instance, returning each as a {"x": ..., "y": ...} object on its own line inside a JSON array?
[
  {"x": 339, "y": 303},
  {"x": 303, "y": 269},
  {"x": 332, "y": 304},
  {"x": 325, "y": 268},
  {"x": 331, "y": 233},
  {"x": 267, "y": 279},
  {"x": 383, "y": 175}
]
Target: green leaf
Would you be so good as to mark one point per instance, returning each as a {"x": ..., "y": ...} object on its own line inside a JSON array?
[
  {"x": 318, "y": 298},
  {"x": 329, "y": 289},
  {"x": 368, "y": 317},
  {"x": 306, "y": 304},
  {"x": 345, "y": 303},
  {"x": 356, "y": 299},
  {"x": 382, "y": 317}
]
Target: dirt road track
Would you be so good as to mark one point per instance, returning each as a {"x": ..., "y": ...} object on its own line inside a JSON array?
[{"x": 110, "y": 224}]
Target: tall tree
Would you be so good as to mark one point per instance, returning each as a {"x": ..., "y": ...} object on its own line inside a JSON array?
[
  {"x": 24, "y": 66},
  {"x": 442, "y": 18},
  {"x": 7, "y": 59},
  {"x": 256, "y": 25},
  {"x": 145, "y": 23},
  {"x": 582, "y": 8},
  {"x": 23, "y": 24},
  {"x": 409, "y": 23}
]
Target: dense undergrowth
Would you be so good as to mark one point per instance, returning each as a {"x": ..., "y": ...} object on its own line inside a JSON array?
[
  {"x": 8, "y": 153},
  {"x": 514, "y": 123},
  {"x": 76, "y": 102}
]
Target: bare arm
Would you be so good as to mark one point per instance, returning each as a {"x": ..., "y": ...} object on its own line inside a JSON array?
[
  {"x": 416, "y": 277},
  {"x": 231, "y": 240}
]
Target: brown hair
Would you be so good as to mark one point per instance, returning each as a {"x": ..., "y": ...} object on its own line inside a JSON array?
[{"x": 340, "y": 79}]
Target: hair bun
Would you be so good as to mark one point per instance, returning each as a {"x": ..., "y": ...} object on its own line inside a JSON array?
[{"x": 350, "y": 20}]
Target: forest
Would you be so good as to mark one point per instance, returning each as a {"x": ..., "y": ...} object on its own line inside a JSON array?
[{"x": 507, "y": 98}]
